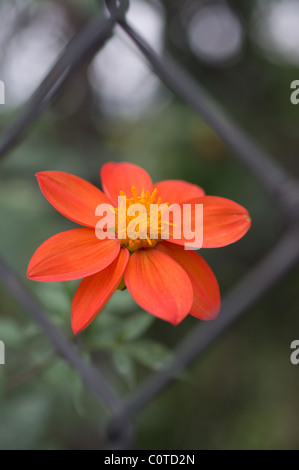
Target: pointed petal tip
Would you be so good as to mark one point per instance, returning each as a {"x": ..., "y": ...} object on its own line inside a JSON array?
[
  {"x": 177, "y": 321},
  {"x": 248, "y": 220},
  {"x": 29, "y": 275},
  {"x": 76, "y": 330},
  {"x": 210, "y": 315},
  {"x": 42, "y": 174}
]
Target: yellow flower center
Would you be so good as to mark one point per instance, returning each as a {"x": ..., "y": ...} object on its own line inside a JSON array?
[{"x": 138, "y": 221}]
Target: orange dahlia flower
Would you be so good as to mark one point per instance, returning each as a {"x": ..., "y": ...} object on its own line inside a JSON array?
[{"x": 165, "y": 279}]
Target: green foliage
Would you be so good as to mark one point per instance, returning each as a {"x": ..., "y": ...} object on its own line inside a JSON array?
[{"x": 136, "y": 325}]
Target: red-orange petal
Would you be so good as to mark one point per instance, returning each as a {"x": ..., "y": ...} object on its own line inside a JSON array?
[
  {"x": 224, "y": 221},
  {"x": 95, "y": 291},
  {"x": 73, "y": 197},
  {"x": 206, "y": 293},
  {"x": 71, "y": 255},
  {"x": 176, "y": 191},
  {"x": 118, "y": 177},
  {"x": 159, "y": 285}
]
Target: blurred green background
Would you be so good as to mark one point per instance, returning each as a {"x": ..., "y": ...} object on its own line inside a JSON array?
[{"x": 243, "y": 393}]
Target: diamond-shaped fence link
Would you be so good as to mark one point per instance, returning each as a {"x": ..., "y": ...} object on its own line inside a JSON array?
[{"x": 268, "y": 272}]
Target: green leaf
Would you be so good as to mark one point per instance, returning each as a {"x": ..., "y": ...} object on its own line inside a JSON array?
[
  {"x": 124, "y": 365},
  {"x": 136, "y": 325}
]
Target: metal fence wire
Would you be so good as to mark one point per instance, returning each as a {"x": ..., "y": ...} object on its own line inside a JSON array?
[{"x": 283, "y": 189}]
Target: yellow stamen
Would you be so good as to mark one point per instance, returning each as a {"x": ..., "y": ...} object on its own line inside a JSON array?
[{"x": 143, "y": 225}]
